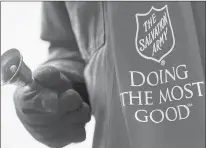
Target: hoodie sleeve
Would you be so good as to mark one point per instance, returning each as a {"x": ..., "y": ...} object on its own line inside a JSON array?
[{"x": 63, "y": 51}]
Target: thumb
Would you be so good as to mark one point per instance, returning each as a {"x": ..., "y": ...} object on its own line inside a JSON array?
[
  {"x": 70, "y": 100},
  {"x": 50, "y": 77}
]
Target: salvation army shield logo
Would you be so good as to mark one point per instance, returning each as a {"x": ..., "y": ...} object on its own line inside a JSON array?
[{"x": 154, "y": 36}]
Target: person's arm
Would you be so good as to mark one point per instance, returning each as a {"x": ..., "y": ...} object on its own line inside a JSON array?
[
  {"x": 64, "y": 125},
  {"x": 63, "y": 51}
]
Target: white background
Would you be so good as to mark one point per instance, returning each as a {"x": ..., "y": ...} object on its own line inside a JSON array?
[{"x": 20, "y": 26}]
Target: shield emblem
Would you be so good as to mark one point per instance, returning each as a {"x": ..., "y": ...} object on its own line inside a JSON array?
[{"x": 154, "y": 36}]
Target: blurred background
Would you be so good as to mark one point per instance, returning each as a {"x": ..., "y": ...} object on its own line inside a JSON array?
[{"x": 20, "y": 28}]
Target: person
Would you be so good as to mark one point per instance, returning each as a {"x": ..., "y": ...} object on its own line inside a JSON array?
[{"x": 137, "y": 67}]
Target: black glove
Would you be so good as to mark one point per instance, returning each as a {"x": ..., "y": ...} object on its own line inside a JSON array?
[{"x": 52, "y": 115}]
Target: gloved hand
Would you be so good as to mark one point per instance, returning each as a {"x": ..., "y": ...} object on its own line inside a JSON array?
[{"x": 59, "y": 115}]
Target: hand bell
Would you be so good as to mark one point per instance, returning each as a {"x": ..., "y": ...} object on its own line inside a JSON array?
[{"x": 13, "y": 69}]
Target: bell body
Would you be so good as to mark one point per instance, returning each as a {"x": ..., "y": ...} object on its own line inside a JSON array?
[{"x": 13, "y": 69}]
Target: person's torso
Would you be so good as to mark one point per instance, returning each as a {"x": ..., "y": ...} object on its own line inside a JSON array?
[{"x": 144, "y": 73}]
